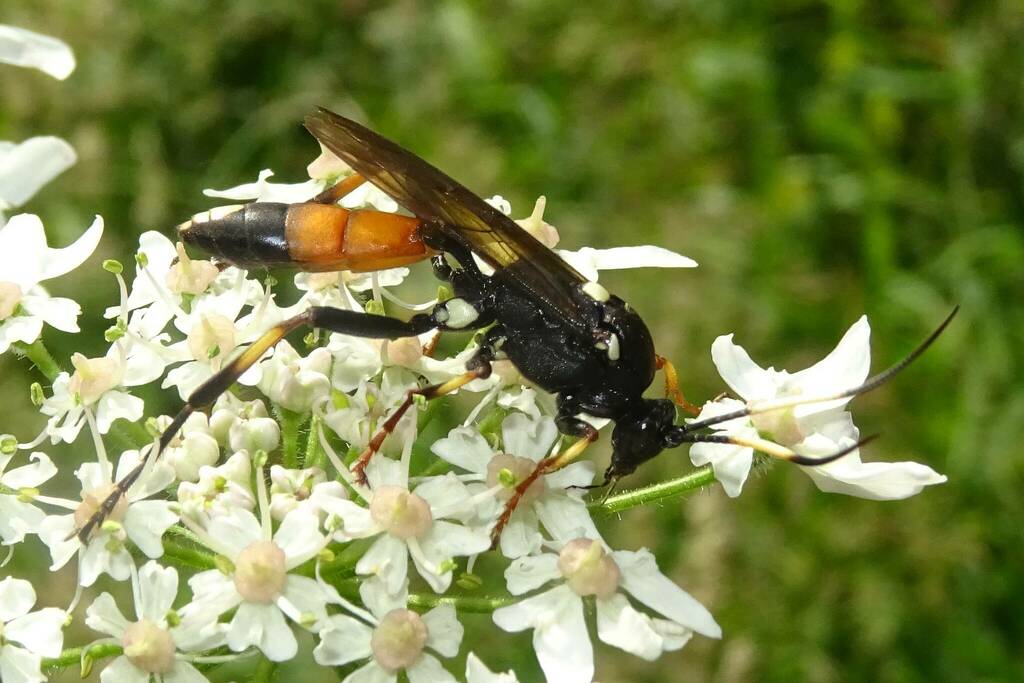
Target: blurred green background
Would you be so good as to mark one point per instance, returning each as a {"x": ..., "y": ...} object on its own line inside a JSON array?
[{"x": 819, "y": 160}]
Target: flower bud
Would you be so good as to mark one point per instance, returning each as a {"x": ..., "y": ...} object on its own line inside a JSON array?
[
  {"x": 93, "y": 377},
  {"x": 405, "y": 351},
  {"x": 260, "y": 433},
  {"x": 260, "y": 572},
  {"x": 402, "y": 514},
  {"x": 588, "y": 568},
  {"x": 398, "y": 640},
  {"x": 149, "y": 647},
  {"x": 535, "y": 225},
  {"x": 296, "y": 383},
  {"x": 10, "y": 297},
  {"x": 8, "y": 444},
  {"x": 508, "y": 471}
]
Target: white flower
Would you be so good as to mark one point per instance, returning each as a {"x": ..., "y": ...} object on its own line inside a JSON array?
[
  {"x": 219, "y": 490},
  {"x": 550, "y": 500},
  {"x": 264, "y": 191},
  {"x": 306, "y": 489},
  {"x": 392, "y": 637},
  {"x": 26, "y": 637},
  {"x": 18, "y": 516},
  {"x": 259, "y": 587},
  {"x": 329, "y": 168},
  {"x": 133, "y": 518},
  {"x": 477, "y": 672},
  {"x": 295, "y": 382},
  {"x": 25, "y": 261},
  {"x": 94, "y": 386},
  {"x": 584, "y": 568},
  {"x": 409, "y": 523},
  {"x": 26, "y": 166},
  {"x": 355, "y": 418},
  {"x": 22, "y": 47},
  {"x": 244, "y": 426},
  {"x": 152, "y": 644},
  {"x": 813, "y": 429}
]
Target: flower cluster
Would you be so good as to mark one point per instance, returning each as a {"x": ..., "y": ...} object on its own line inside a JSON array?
[{"x": 254, "y": 508}]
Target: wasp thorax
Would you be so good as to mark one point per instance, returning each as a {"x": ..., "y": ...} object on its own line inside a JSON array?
[
  {"x": 509, "y": 471},
  {"x": 149, "y": 647},
  {"x": 93, "y": 377},
  {"x": 212, "y": 338},
  {"x": 402, "y": 514},
  {"x": 188, "y": 276},
  {"x": 588, "y": 568},
  {"x": 398, "y": 640},
  {"x": 10, "y": 297},
  {"x": 93, "y": 499},
  {"x": 260, "y": 572}
]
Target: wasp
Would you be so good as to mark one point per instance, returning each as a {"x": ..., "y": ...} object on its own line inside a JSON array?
[{"x": 565, "y": 334}]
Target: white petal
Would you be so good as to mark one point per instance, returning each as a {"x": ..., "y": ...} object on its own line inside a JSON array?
[
  {"x": 642, "y": 579},
  {"x": 158, "y": 586},
  {"x": 379, "y": 600},
  {"x": 32, "y": 475},
  {"x": 444, "y": 631},
  {"x": 236, "y": 531},
  {"x": 428, "y": 670},
  {"x": 145, "y": 523},
  {"x": 115, "y": 405},
  {"x": 446, "y": 495},
  {"x": 565, "y": 517},
  {"x": 305, "y": 598},
  {"x": 123, "y": 671},
  {"x": 213, "y": 594},
  {"x": 529, "y": 573},
  {"x": 846, "y": 367},
  {"x": 573, "y": 474},
  {"x": 560, "y": 636},
  {"x": 16, "y": 598},
  {"x": 183, "y": 672},
  {"x": 371, "y": 673},
  {"x": 730, "y": 463},
  {"x": 22, "y": 47},
  {"x": 25, "y": 168},
  {"x": 464, "y": 447},
  {"x": 56, "y": 532},
  {"x": 61, "y": 261},
  {"x": 265, "y": 627},
  {"x": 21, "y": 328},
  {"x": 447, "y": 539},
  {"x": 56, "y": 312},
  {"x": 620, "y": 625},
  {"x": 528, "y": 438},
  {"x": 521, "y": 536},
  {"x": 23, "y": 250},
  {"x": 617, "y": 258},
  {"x": 749, "y": 380},
  {"x": 104, "y": 616},
  {"x": 40, "y": 632},
  {"x": 98, "y": 559},
  {"x": 388, "y": 559},
  {"x": 343, "y": 639},
  {"x": 477, "y": 672},
  {"x": 18, "y": 519},
  {"x": 18, "y": 665},
  {"x": 874, "y": 480},
  {"x": 299, "y": 537}
]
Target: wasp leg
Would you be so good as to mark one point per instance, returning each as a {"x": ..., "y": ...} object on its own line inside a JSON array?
[
  {"x": 337, "y": 191},
  {"x": 672, "y": 389},
  {"x": 567, "y": 425},
  {"x": 334, "y": 319}
]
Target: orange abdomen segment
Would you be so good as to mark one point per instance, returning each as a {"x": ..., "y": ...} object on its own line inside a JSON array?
[{"x": 324, "y": 237}]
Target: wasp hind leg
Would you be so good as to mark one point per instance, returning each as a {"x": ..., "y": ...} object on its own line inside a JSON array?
[
  {"x": 334, "y": 319},
  {"x": 339, "y": 190}
]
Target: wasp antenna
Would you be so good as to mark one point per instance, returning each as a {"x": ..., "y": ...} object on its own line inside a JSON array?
[
  {"x": 806, "y": 461},
  {"x": 760, "y": 407},
  {"x": 771, "y": 448}
]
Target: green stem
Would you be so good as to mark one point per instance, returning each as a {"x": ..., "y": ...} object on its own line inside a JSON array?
[
  {"x": 290, "y": 424},
  {"x": 73, "y": 656},
  {"x": 40, "y": 357},
  {"x": 191, "y": 554},
  {"x": 655, "y": 492},
  {"x": 484, "y": 604},
  {"x": 314, "y": 454}
]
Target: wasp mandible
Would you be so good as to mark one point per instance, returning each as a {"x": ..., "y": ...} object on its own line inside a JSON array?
[{"x": 567, "y": 335}]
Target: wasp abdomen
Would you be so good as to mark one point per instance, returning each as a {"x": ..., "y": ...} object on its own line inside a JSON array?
[{"x": 310, "y": 236}]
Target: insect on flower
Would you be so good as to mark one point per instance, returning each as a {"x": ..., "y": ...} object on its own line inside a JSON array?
[{"x": 564, "y": 333}]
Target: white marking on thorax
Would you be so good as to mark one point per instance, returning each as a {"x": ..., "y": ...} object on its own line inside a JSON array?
[
  {"x": 460, "y": 313},
  {"x": 596, "y": 292}
]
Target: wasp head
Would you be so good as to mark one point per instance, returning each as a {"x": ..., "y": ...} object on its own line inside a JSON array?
[{"x": 640, "y": 435}]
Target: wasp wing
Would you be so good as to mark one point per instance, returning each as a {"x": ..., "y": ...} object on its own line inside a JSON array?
[{"x": 438, "y": 199}]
